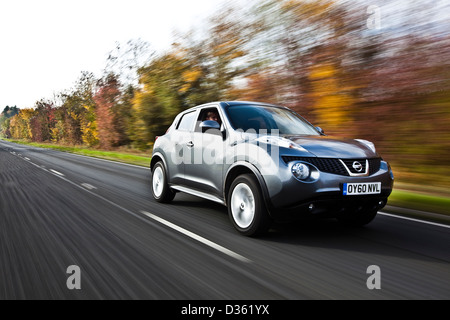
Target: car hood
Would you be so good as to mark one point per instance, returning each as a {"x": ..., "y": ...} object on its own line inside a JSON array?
[{"x": 326, "y": 147}]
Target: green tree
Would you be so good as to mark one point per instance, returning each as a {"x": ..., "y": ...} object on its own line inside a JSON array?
[
  {"x": 10, "y": 112},
  {"x": 5, "y": 119},
  {"x": 159, "y": 98},
  {"x": 4, "y": 126},
  {"x": 123, "y": 114}
]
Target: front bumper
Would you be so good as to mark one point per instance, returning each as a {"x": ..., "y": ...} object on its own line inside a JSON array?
[
  {"x": 290, "y": 198},
  {"x": 329, "y": 206}
]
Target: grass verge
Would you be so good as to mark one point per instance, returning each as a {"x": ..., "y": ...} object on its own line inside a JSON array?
[
  {"x": 418, "y": 201},
  {"x": 123, "y": 157}
]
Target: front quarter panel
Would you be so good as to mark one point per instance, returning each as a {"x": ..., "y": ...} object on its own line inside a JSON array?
[{"x": 165, "y": 148}]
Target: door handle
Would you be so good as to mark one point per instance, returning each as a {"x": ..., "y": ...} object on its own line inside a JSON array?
[{"x": 190, "y": 144}]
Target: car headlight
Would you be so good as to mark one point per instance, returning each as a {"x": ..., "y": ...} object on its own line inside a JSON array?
[
  {"x": 300, "y": 171},
  {"x": 368, "y": 144}
]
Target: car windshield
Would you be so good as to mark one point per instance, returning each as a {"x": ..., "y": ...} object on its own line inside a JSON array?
[{"x": 283, "y": 121}]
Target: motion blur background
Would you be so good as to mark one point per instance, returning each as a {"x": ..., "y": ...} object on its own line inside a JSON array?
[{"x": 375, "y": 70}]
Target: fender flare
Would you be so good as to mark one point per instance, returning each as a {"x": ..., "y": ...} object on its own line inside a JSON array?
[
  {"x": 153, "y": 161},
  {"x": 259, "y": 177}
]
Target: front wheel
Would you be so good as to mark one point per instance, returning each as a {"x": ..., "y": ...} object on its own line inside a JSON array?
[
  {"x": 160, "y": 188},
  {"x": 246, "y": 206}
]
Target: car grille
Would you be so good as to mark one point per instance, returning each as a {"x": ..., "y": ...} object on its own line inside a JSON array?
[
  {"x": 335, "y": 166},
  {"x": 349, "y": 164}
]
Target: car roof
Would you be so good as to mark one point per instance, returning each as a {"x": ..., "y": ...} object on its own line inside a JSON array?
[
  {"x": 226, "y": 104},
  {"x": 240, "y": 103}
]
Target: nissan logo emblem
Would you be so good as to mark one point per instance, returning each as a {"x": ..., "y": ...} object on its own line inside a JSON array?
[{"x": 357, "y": 166}]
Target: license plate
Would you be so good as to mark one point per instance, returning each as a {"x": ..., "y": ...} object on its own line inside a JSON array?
[{"x": 351, "y": 189}]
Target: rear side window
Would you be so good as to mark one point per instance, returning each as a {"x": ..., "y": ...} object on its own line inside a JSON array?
[{"x": 187, "y": 122}]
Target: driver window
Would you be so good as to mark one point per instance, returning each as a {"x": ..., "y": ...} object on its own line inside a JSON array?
[{"x": 207, "y": 114}]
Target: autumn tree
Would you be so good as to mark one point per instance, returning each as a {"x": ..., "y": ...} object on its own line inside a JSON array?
[
  {"x": 43, "y": 121},
  {"x": 302, "y": 47},
  {"x": 332, "y": 101},
  {"x": 20, "y": 125},
  {"x": 89, "y": 128},
  {"x": 74, "y": 118},
  {"x": 225, "y": 53},
  {"x": 106, "y": 98},
  {"x": 123, "y": 64},
  {"x": 58, "y": 133},
  {"x": 259, "y": 86}
]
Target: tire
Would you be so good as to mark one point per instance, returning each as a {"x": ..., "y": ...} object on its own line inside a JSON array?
[
  {"x": 160, "y": 188},
  {"x": 246, "y": 207},
  {"x": 357, "y": 219}
]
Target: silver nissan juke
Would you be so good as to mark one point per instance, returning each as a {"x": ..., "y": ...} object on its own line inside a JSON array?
[{"x": 266, "y": 163}]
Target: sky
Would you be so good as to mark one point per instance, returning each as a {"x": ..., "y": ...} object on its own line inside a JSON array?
[{"x": 46, "y": 44}]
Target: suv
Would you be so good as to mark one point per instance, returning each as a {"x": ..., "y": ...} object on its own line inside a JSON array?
[{"x": 266, "y": 163}]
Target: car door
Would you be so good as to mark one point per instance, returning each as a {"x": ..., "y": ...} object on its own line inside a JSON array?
[
  {"x": 181, "y": 139},
  {"x": 205, "y": 170}
]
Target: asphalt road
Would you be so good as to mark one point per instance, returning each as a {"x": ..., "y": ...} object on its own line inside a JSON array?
[{"x": 58, "y": 210}]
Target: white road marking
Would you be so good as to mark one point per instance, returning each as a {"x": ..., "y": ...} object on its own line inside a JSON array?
[
  {"x": 56, "y": 172},
  {"x": 197, "y": 237},
  {"x": 415, "y": 220},
  {"x": 155, "y": 218},
  {"x": 88, "y": 186}
]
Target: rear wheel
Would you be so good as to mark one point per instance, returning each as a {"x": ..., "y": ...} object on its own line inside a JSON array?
[
  {"x": 160, "y": 188},
  {"x": 246, "y": 206},
  {"x": 357, "y": 219}
]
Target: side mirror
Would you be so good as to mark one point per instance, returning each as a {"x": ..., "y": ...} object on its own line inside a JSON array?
[
  {"x": 320, "y": 130},
  {"x": 213, "y": 127},
  {"x": 209, "y": 124}
]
